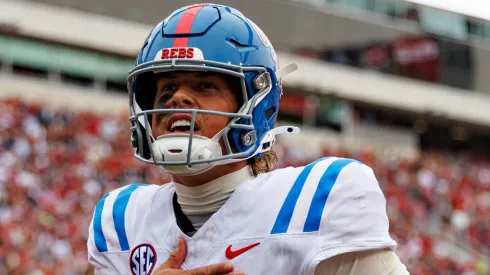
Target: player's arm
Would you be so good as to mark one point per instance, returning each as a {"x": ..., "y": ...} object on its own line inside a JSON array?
[
  {"x": 354, "y": 220},
  {"x": 107, "y": 237},
  {"x": 172, "y": 265},
  {"x": 380, "y": 262},
  {"x": 96, "y": 257}
]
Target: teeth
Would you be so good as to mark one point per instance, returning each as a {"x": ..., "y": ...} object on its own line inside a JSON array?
[{"x": 182, "y": 122}]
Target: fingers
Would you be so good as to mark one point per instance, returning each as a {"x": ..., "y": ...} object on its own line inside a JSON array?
[
  {"x": 214, "y": 269},
  {"x": 177, "y": 257}
]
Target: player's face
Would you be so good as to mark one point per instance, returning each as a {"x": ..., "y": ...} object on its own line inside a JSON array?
[{"x": 197, "y": 90}]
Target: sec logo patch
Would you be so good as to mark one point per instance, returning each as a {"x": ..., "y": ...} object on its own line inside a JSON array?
[{"x": 143, "y": 259}]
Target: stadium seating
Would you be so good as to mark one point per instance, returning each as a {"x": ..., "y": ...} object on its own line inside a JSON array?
[{"x": 56, "y": 164}]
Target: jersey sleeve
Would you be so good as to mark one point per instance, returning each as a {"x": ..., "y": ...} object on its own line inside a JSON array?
[
  {"x": 352, "y": 208},
  {"x": 379, "y": 262},
  {"x": 110, "y": 227}
]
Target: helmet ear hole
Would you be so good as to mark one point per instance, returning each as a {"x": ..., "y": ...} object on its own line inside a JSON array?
[{"x": 270, "y": 112}]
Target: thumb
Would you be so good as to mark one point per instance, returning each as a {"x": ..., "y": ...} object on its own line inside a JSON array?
[{"x": 177, "y": 257}]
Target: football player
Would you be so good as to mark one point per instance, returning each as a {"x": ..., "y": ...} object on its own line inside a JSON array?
[{"x": 204, "y": 97}]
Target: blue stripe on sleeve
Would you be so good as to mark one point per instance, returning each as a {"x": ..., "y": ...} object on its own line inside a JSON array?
[
  {"x": 322, "y": 192},
  {"x": 286, "y": 213},
  {"x": 99, "y": 238},
  {"x": 118, "y": 213}
]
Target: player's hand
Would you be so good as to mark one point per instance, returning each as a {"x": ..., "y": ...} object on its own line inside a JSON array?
[{"x": 172, "y": 265}]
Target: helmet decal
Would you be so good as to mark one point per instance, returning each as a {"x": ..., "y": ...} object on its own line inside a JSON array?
[{"x": 181, "y": 53}]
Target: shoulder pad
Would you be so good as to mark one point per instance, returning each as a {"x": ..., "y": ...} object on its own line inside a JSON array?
[
  {"x": 303, "y": 207},
  {"x": 108, "y": 227}
]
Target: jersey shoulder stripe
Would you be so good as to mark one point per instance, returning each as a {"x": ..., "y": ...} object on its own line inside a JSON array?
[
  {"x": 286, "y": 212},
  {"x": 322, "y": 192},
  {"x": 118, "y": 212},
  {"x": 99, "y": 237}
]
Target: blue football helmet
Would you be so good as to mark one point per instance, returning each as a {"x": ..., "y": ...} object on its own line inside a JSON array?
[{"x": 210, "y": 38}]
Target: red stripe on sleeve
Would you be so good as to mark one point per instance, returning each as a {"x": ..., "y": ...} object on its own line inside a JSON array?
[{"x": 185, "y": 25}]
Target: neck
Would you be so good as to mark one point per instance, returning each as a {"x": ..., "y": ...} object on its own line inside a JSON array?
[
  {"x": 208, "y": 198},
  {"x": 215, "y": 173}
]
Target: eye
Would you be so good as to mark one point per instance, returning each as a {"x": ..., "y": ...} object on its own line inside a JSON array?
[
  {"x": 165, "y": 97},
  {"x": 207, "y": 86},
  {"x": 166, "y": 92},
  {"x": 169, "y": 87}
]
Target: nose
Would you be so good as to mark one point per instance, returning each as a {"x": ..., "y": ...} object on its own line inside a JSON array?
[{"x": 182, "y": 98}]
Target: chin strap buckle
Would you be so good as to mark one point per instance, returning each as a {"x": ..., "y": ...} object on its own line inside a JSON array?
[{"x": 270, "y": 137}]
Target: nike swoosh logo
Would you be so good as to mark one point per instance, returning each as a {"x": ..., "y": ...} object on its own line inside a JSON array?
[{"x": 232, "y": 254}]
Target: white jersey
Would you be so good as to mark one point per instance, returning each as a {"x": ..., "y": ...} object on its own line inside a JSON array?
[{"x": 284, "y": 222}]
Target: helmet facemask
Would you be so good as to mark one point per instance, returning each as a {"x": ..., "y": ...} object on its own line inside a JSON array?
[{"x": 192, "y": 154}]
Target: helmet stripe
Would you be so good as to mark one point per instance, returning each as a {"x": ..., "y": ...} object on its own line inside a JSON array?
[{"x": 185, "y": 25}]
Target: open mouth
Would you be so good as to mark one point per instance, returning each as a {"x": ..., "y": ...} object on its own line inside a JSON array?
[{"x": 181, "y": 125}]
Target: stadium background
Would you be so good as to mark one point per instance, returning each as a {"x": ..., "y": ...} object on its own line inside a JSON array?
[{"x": 399, "y": 86}]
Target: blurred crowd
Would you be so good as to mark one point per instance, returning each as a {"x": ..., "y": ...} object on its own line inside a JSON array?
[{"x": 56, "y": 164}]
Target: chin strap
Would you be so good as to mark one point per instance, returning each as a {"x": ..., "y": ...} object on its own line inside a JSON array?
[
  {"x": 202, "y": 148},
  {"x": 289, "y": 68},
  {"x": 269, "y": 137}
]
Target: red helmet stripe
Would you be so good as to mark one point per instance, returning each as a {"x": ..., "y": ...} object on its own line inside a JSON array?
[{"x": 185, "y": 25}]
